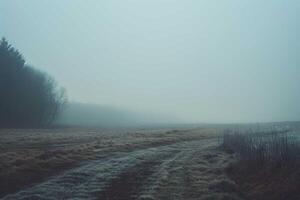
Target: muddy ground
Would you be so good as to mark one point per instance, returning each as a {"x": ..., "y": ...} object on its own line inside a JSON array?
[{"x": 114, "y": 164}]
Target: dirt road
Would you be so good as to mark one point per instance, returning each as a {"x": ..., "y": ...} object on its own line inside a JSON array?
[{"x": 183, "y": 170}]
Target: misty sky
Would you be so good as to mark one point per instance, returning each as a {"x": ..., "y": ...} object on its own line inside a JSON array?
[{"x": 201, "y": 61}]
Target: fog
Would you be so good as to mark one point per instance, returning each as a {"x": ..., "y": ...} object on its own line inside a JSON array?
[
  {"x": 187, "y": 61},
  {"x": 93, "y": 115}
]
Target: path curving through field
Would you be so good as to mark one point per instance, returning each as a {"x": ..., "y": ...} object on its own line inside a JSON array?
[{"x": 183, "y": 170}]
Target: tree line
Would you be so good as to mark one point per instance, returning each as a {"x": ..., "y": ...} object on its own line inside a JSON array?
[{"x": 29, "y": 98}]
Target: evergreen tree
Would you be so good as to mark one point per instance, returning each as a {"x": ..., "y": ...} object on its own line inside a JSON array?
[{"x": 29, "y": 98}]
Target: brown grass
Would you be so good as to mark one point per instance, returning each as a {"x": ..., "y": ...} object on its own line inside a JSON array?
[
  {"x": 31, "y": 156},
  {"x": 268, "y": 166}
]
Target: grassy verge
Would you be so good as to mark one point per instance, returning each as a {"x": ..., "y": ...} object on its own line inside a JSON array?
[{"x": 268, "y": 164}]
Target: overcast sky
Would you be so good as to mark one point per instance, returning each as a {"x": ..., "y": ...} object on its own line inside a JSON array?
[{"x": 202, "y": 61}]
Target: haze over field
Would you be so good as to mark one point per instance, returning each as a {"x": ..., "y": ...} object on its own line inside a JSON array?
[
  {"x": 197, "y": 61},
  {"x": 149, "y": 99}
]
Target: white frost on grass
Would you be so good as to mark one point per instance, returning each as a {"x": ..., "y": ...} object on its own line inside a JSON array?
[{"x": 90, "y": 179}]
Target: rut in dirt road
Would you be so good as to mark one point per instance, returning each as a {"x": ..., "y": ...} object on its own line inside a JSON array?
[
  {"x": 143, "y": 178},
  {"x": 127, "y": 184},
  {"x": 158, "y": 179}
]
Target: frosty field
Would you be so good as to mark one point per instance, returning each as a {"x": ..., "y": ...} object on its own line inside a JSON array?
[{"x": 114, "y": 164}]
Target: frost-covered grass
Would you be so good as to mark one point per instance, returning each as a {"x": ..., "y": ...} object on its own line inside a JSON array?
[
  {"x": 268, "y": 163},
  {"x": 276, "y": 148},
  {"x": 31, "y": 156}
]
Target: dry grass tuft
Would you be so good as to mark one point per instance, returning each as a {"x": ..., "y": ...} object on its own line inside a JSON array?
[
  {"x": 268, "y": 166},
  {"x": 276, "y": 148}
]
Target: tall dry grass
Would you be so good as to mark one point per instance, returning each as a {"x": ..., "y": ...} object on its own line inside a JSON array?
[
  {"x": 256, "y": 148},
  {"x": 268, "y": 163}
]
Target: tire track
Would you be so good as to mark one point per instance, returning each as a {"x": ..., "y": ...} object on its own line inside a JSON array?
[
  {"x": 127, "y": 184},
  {"x": 169, "y": 180}
]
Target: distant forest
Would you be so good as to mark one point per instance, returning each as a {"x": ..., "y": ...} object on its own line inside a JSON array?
[{"x": 29, "y": 98}]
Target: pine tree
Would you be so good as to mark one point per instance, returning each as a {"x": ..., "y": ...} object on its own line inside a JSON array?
[{"x": 29, "y": 98}]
